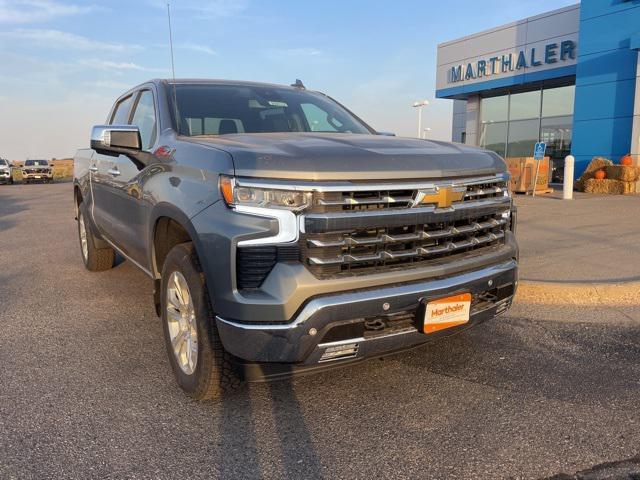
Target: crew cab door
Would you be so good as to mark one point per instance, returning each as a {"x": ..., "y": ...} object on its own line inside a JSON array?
[{"x": 121, "y": 211}]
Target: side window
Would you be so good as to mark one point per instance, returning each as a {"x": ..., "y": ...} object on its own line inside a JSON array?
[
  {"x": 145, "y": 119},
  {"x": 121, "y": 113}
]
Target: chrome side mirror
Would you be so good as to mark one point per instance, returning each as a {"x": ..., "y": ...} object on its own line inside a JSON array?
[{"x": 116, "y": 138}]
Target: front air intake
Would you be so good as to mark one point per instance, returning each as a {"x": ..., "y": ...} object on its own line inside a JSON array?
[{"x": 253, "y": 264}]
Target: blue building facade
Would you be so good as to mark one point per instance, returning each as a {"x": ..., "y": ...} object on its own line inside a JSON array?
[
  {"x": 568, "y": 77},
  {"x": 606, "y": 80}
]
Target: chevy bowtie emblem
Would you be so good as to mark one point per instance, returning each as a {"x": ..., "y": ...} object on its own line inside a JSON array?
[{"x": 443, "y": 198}]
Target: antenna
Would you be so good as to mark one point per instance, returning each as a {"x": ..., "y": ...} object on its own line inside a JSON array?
[{"x": 173, "y": 70}]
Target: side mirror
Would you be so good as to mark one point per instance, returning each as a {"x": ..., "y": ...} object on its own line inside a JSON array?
[
  {"x": 386, "y": 134},
  {"x": 116, "y": 138}
]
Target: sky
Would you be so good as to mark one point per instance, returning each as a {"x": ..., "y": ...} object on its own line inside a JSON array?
[{"x": 64, "y": 62}]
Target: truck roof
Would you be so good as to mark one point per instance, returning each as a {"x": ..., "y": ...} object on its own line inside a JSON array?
[{"x": 214, "y": 81}]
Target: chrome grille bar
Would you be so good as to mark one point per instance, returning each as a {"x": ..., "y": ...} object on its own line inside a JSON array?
[
  {"x": 388, "y": 200},
  {"x": 409, "y": 237},
  {"x": 418, "y": 252},
  {"x": 340, "y": 186}
]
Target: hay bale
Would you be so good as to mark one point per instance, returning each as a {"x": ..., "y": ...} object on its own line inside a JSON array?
[
  {"x": 609, "y": 186},
  {"x": 596, "y": 164},
  {"x": 623, "y": 172},
  {"x": 629, "y": 188}
]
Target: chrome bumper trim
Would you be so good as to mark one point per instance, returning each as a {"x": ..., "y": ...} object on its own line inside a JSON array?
[
  {"x": 339, "y": 186},
  {"x": 381, "y": 293}
]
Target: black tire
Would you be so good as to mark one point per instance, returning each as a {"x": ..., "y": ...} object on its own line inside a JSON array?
[
  {"x": 214, "y": 373},
  {"x": 96, "y": 259}
]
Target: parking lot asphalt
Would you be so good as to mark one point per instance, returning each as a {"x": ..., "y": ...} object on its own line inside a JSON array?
[{"x": 86, "y": 390}]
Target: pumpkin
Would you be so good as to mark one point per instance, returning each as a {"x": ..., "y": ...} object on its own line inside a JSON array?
[
  {"x": 600, "y": 175},
  {"x": 626, "y": 160}
]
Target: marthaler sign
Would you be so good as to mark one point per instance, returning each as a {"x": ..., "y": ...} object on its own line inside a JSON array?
[{"x": 551, "y": 53}]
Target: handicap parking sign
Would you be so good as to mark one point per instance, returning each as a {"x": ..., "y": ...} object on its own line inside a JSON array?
[{"x": 538, "y": 150}]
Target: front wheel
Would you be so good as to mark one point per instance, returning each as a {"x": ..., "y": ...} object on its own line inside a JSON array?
[{"x": 202, "y": 367}]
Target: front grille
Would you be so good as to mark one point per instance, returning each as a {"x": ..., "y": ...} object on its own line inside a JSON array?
[
  {"x": 341, "y": 240},
  {"x": 395, "y": 199}
]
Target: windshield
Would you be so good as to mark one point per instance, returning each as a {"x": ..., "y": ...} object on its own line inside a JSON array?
[
  {"x": 3, "y": 163},
  {"x": 36, "y": 163},
  {"x": 229, "y": 109}
]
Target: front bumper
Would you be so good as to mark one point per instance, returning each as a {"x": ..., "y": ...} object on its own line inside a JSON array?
[
  {"x": 296, "y": 343},
  {"x": 37, "y": 176}
]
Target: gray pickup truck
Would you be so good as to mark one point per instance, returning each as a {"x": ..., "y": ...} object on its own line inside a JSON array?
[{"x": 283, "y": 234}]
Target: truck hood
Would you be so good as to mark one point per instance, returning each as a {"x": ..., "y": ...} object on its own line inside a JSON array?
[{"x": 323, "y": 156}]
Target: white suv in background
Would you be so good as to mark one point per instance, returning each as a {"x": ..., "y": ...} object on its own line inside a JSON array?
[{"x": 6, "y": 171}]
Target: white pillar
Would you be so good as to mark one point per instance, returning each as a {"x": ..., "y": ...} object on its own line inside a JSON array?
[
  {"x": 567, "y": 188},
  {"x": 473, "y": 117}
]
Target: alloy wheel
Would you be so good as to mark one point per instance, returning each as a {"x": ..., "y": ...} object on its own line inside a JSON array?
[
  {"x": 83, "y": 237},
  {"x": 181, "y": 320}
]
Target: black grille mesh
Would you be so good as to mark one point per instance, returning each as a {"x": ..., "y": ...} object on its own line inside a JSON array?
[{"x": 253, "y": 264}]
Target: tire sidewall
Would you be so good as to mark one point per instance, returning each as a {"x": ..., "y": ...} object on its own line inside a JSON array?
[{"x": 181, "y": 259}]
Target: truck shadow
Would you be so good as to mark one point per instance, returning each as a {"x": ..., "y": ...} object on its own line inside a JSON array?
[
  {"x": 275, "y": 442},
  {"x": 9, "y": 205}
]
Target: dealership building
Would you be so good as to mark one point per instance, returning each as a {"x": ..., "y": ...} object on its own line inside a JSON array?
[{"x": 569, "y": 77}]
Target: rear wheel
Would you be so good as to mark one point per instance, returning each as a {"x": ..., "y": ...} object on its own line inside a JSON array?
[
  {"x": 95, "y": 259},
  {"x": 202, "y": 367}
]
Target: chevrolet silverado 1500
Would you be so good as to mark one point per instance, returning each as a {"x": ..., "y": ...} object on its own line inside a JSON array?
[{"x": 283, "y": 234}]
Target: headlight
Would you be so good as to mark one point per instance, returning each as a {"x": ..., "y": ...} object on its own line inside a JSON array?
[{"x": 236, "y": 195}]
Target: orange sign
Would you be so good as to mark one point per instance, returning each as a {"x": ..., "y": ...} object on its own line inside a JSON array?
[{"x": 447, "y": 312}]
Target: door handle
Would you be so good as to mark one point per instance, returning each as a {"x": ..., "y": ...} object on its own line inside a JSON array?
[
  {"x": 113, "y": 171},
  {"x": 93, "y": 168}
]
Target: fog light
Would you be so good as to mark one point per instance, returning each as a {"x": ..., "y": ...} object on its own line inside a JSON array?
[{"x": 336, "y": 352}]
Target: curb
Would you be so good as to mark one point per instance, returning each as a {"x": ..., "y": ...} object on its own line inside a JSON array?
[{"x": 589, "y": 294}]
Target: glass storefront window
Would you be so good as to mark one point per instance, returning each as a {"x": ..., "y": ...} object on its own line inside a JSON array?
[
  {"x": 525, "y": 105},
  {"x": 493, "y": 136},
  {"x": 557, "y": 133},
  {"x": 523, "y": 135},
  {"x": 494, "y": 109},
  {"x": 511, "y": 124},
  {"x": 558, "y": 101}
]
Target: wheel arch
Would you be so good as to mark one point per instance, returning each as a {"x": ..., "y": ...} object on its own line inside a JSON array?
[{"x": 169, "y": 227}]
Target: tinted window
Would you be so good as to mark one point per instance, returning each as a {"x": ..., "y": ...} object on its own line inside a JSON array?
[
  {"x": 145, "y": 119},
  {"x": 494, "y": 109},
  {"x": 121, "y": 113},
  {"x": 525, "y": 105},
  {"x": 318, "y": 119},
  {"x": 523, "y": 135},
  {"x": 493, "y": 136},
  {"x": 229, "y": 109},
  {"x": 558, "y": 101},
  {"x": 36, "y": 163}
]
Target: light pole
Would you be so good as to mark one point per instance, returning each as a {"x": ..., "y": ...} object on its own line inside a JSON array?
[
  {"x": 419, "y": 106},
  {"x": 426, "y": 131}
]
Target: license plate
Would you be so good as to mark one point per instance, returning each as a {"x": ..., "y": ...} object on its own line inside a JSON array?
[
  {"x": 447, "y": 312},
  {"x": 37, "y": 176}
]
